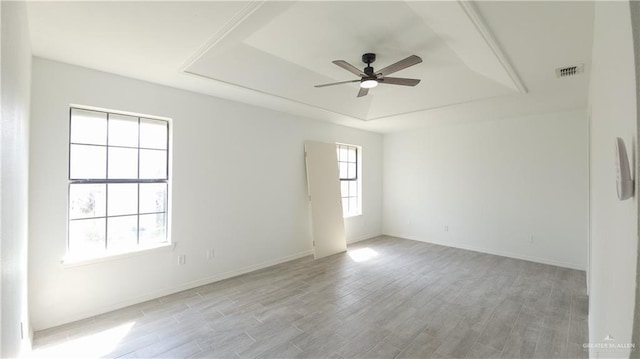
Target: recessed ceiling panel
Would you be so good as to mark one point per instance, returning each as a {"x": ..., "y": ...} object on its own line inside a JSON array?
[{"x": 285, "y": 48}]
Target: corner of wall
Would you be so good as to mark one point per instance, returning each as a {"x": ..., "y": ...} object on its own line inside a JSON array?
[
  {"x": 634, "y": 7},
  {"x": 15, "y": 81}
]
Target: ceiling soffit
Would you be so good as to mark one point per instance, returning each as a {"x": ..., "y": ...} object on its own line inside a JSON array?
[{"x": 283, "y": 49}]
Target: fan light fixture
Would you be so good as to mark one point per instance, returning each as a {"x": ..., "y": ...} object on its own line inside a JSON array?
[{"x": 368, "y": 84}]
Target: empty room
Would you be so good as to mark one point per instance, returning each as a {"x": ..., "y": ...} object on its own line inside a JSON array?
[{"x": 319, "y": 179}]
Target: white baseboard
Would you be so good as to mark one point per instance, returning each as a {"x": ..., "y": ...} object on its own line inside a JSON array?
[
  {"x": 362, "y": 238},
  {"x": 494, "y": 252},
  {"x": 171, "y": 290}
]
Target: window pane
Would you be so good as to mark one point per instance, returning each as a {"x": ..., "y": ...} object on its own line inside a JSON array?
[
  {"x": 351, "y": 154},
  {"x": 86, "y": 236},
  {"x": 153, "y": 197},
  {"x": 351, "y": 172},
  {"x": 87, "y": 162},
  {"x": 122, "y": 233},
  {"x": 344, "y": 188},
  {"x": 343, "y": 170},
  {"x": 123, "y": 131},
  {"x": 87, "y": 200},
  {"x": 342, "y": 153},
  {"x": 153, "y": 229},
  {"x": 153, "y": 134},
  {"x": 123, "y": 163},
  {"x": 345, "y": 206},
  {"x": 353, "y": 205},
  {"x": 153, "y": 164},
  {"x": 88, "y": 127},
  {"x": 123, "y": 199},
  {"x": 353, "y": 188}
]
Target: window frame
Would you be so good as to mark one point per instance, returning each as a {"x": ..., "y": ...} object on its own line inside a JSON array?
[
  {"x": 77, "y": 257},
  {"x": 356, "y": 178}
]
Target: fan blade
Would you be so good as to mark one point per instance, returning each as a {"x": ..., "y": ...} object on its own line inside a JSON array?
[
  {"x": 363, "y": 92},
  {"x": 336, "y": 83},
  {"x": 398, "y": 81},
  {"x": 402, "y": 64},
  {"x": 347, "y": 66}
]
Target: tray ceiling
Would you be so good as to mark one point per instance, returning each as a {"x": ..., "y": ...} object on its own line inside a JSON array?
[
  {"x": 481, "y": 60},
  {"x": 285, "y": 48}
]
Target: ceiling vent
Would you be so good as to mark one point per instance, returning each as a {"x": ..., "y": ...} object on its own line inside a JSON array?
[{"x": 569, "y": 71}]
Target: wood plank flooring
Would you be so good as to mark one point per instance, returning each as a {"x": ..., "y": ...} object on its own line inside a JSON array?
[{"x": 401, "y": 299}]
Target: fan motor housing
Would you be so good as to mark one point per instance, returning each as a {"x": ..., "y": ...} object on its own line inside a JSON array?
[{"x": 368, "y": 58}]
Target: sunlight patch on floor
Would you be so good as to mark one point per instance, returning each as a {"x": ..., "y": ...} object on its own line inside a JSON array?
[
  {"x": 362, "y": 254},
  {"x": 90, "y": 346}
]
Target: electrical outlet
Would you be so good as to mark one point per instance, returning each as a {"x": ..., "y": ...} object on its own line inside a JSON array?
[
  {"x": 531, "y": 239},
  {"x": 446, "y": 228},
  {"x": 182, "y": 259},
  {"x": 210, "y": 254}
]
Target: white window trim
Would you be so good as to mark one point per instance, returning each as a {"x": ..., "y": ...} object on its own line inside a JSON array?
[{"x": 70, "y": 261}]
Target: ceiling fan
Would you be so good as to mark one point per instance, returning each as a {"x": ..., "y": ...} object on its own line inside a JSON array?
[{"x": 370, "y": 79}]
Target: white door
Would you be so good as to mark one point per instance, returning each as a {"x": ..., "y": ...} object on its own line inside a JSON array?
[{"x": 324, "y": 196}]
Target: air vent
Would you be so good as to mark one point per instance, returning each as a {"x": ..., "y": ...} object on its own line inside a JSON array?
[{"x": 569, "y": 71}]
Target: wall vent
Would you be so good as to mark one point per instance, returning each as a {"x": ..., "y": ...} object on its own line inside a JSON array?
[{"x": 569, "y": 71}]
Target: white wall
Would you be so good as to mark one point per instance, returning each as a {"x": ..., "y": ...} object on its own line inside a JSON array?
[
  {"x": 14, "y": 155},
  {"x": 613, "y": 223},
  {"x": 238, "y": 187},
  {"x": 494, "y": 184}
]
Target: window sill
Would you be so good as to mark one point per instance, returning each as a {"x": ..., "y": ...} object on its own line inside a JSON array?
[
  {"x": 351, "y": 215},
  {"x": 70, "y": 262}
]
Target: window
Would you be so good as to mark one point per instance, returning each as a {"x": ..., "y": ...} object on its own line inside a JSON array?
[
  {"x": 118, "y": 183},
  {"x": 350, "y": 179}
]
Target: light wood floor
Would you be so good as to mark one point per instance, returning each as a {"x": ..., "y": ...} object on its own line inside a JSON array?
[{"x": 408, "y": 300}]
